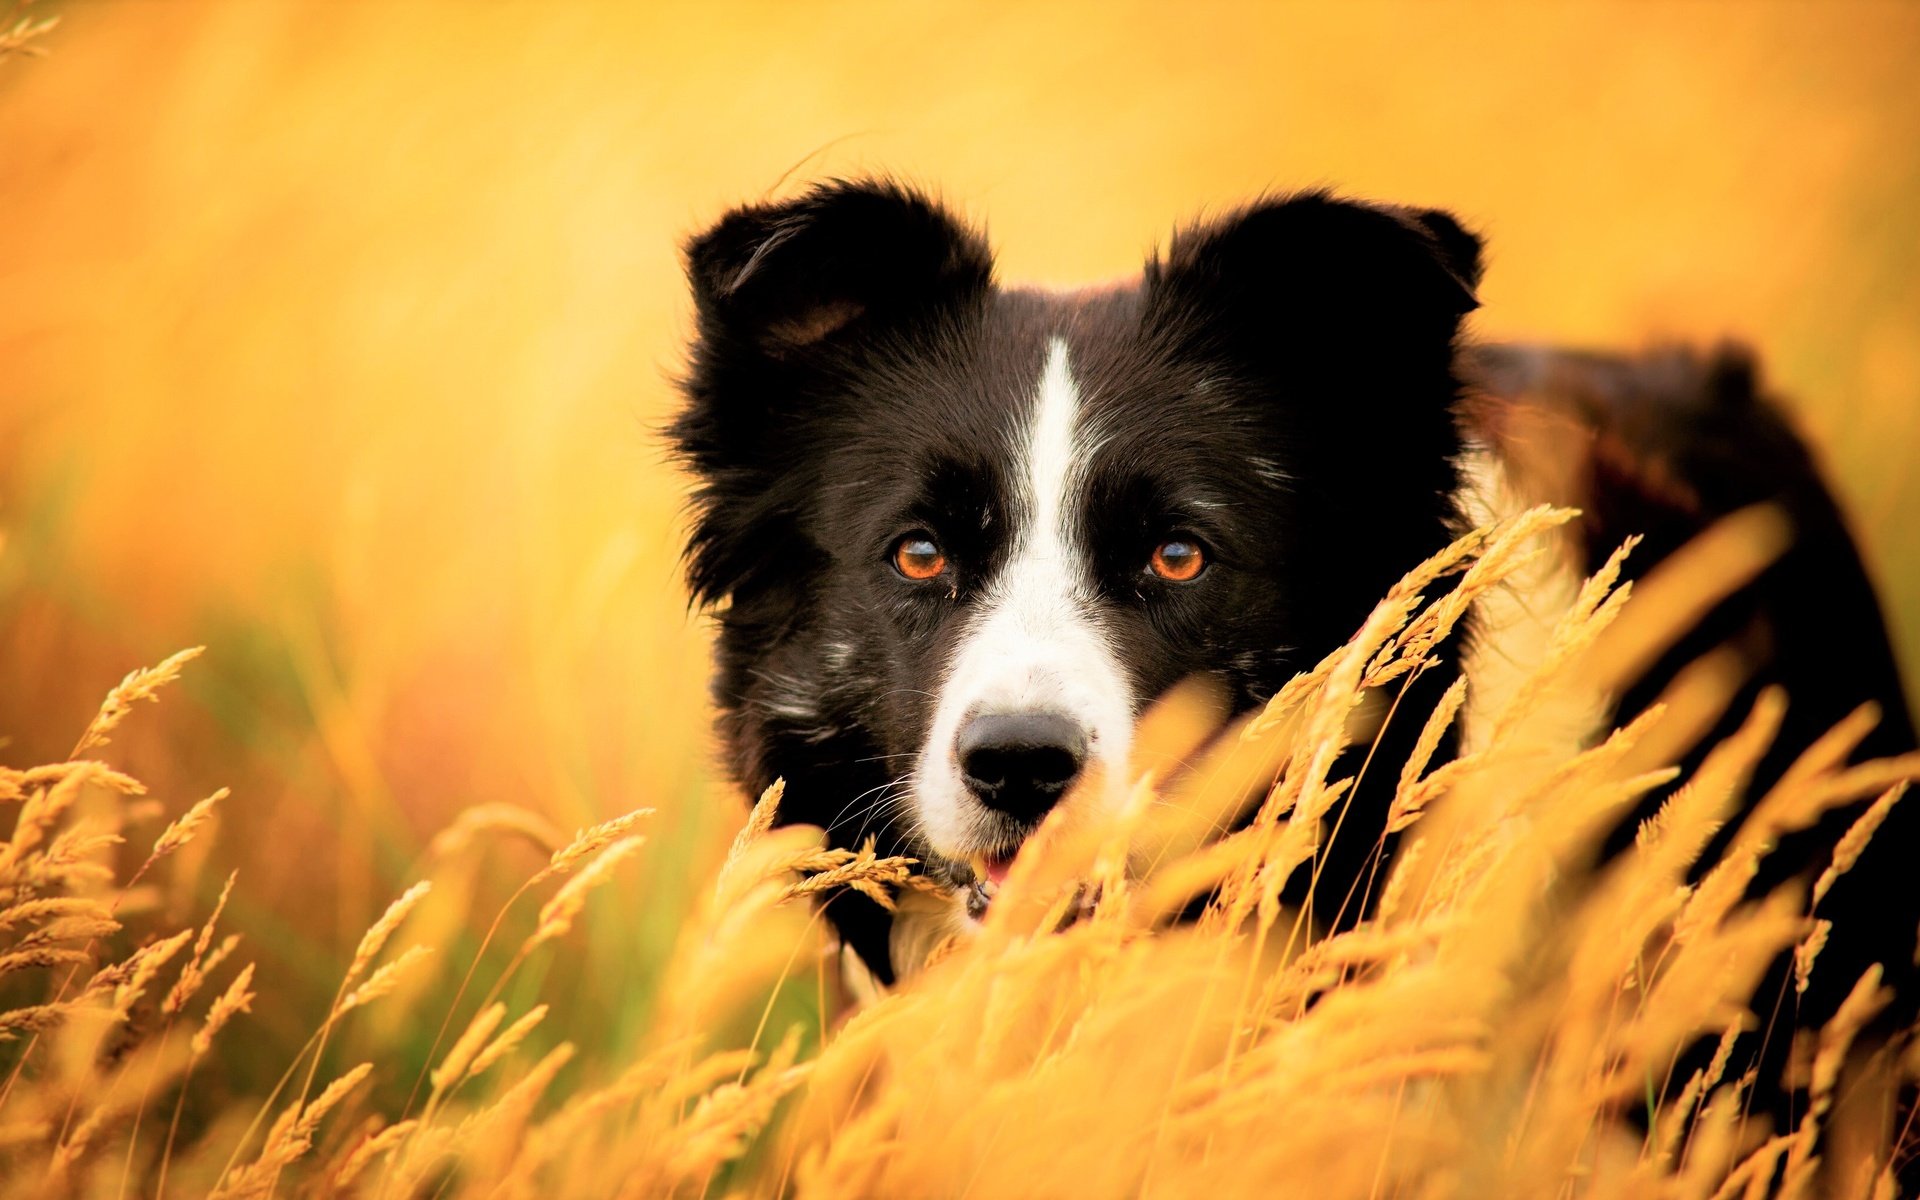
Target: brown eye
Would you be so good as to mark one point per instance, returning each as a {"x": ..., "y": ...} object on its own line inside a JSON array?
[
  {"x": 916, "y": 557},
  {"x": 1177, "y": 560}
]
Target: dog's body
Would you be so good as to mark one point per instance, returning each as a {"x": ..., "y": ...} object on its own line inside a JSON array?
[{"x": 959, "y": 536}]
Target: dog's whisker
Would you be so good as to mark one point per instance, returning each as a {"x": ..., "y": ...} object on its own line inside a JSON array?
[{"x": 849, "y": 805}]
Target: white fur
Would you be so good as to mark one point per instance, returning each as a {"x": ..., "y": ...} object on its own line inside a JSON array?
[
  {"x": 1513, "y": 629},
  {"x": 1035, "y": 644}
]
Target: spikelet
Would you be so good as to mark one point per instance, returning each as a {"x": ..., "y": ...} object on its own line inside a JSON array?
[
  {"x": 1851, "y": 845},
  {"x": 1830, "y": 751},
  {"x": 590, "y": 841},
  {"x": 197, "y": 967},
  {"x": 289, "y": 1139},
  {"x": 663, "y": 1065},
  {"x": 1492, "y": 556},
  {"x": 383, "y": 980},
  {"x": 513, "y": 1108},
  {"x": 374, "y": 1145},
  {"x": 720, "y": 1124},
  {"x": 494, "y": 1137},
  {"x": 1806, "y": 952},
  {"x": 862, "y": 870},
  {"x": 41, "y": 956},
  {"x": 765, "y": 811},
  {"x": 142, "y": 966},
  {"x": 181, "y": 831},
  {"x": 219, "y": 954},
  {"x": 375, "y": 938},
  {"x": 558, "y": 914},
  {"x": 238, "y": 998},
  {"x": 1406, "y": 866},
  {"x": 144, "y": 684},
  {"x": 157, "y": 1060},
  {"x": 325, "y": 1102},
  {"x": 52, "y": 908},
  {"x": 1805, "y": 794},
  {"x": 1861, "y": 1005},
  {"x": 453, "y": 1067},
  {"x": 69, "y": 929},
  {"x": 1408, "y": 803},
  {"x": 508, "y": 1041},
  {"x": 33, "y": 1018},
  {"x": 23, "y": 864},
  {"x": 76, "y": 859},
  {"x": 1674, "y": 1115}
]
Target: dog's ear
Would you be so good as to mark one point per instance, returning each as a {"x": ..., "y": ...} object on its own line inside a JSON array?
[
  {"x": 783, "y": 293},
  {"x": 784, "y": 277},
  {"x": 1321, "y": 266},
  {"x": 1457, "y": 250}
]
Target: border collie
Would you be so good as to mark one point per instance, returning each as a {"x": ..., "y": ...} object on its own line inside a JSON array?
[{"x": 958, "y": 535}]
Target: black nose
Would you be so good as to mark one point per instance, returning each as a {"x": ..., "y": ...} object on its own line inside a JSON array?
[{"x": 1020, "y": 763}]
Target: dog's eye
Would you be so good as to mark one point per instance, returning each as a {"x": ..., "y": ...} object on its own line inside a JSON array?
[
  {"x": 917, "y": 557},
  {"x": 1178, "y": 560}
]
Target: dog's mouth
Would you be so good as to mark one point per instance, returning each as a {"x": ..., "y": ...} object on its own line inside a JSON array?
[
  {"x": 991, "y": 869},
  {"x": 989, "y": 872},
  {"x": 975, "y": 879}
]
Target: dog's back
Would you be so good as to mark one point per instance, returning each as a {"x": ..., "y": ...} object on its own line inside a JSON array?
[{"x": 1661, "y": 446}]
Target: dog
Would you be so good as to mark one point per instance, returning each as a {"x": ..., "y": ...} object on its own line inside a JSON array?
[{"x": 957, "y": 535}]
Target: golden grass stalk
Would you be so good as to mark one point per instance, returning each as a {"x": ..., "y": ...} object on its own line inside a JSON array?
[
  {"x": 143, "y": 684},
  {"x": 238, "y": 998},
  {"x": 50, "y": 908},
  {"x": 32, "y": 1018},
  {"x": 387, "y": 977},
  {"x": 1836, "y": 1038},
  {"x": 765, "y": 811},
  {"x": 558, "y": 914},
  {"x": 725, "y": 1118},
  {"x": 181, "y": 831},
  {"x": 508, "y": 1041},
  {"x": 1807, "y": 952},
  {"x": 375, "y": 938},
  {"x": 590, "y": 841},
  {"x": 375, "y": 1145},
  {"x": 453, "y": 1067},
  {"x": 41, "y": 956},
  {"x": 141, "y": 969},
  {"x": 290, "y": 1139},
  {"x": 1485, "y": 1032},
  {"x": 861, "y": 870},
  {"x": 199, "y": 965},
  {"x": 1854, "y": 842}
]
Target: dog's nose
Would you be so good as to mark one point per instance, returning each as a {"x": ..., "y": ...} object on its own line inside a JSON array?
[{"x": 1020, "y": 763}]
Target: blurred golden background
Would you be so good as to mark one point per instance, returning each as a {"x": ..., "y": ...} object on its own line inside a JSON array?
[{"x": 334, "y": 336}]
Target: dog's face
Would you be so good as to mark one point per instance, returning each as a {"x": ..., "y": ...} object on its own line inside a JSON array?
[{"x": 963, "y": 534}]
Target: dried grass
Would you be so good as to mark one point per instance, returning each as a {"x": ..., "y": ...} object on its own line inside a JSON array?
[{"x": 1487, "y": 1033}]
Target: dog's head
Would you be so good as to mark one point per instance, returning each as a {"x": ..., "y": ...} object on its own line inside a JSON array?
[{"x": 959, "y": 535}]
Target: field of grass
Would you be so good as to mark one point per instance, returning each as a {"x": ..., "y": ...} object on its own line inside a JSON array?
[{"x": 333, "y": 338}]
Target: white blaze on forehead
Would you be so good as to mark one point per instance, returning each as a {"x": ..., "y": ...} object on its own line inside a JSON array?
[
  {"x": 1034, "y": 643},
  {"x": 1049, "y": 449}
]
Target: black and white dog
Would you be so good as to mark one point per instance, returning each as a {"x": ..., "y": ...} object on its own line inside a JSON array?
[{"x": 959, "y": 535}]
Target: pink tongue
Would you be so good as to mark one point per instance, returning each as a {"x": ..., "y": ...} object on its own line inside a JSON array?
[{"x": 997, "y": 869}]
